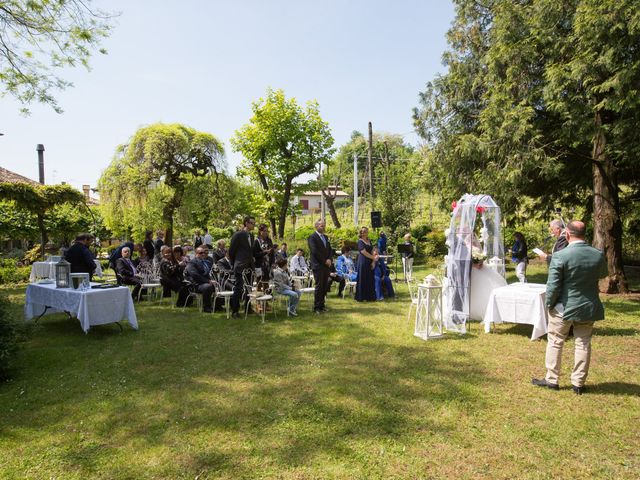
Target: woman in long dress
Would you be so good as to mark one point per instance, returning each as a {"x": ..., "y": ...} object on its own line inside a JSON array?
[{"x": 365, "y": 288}]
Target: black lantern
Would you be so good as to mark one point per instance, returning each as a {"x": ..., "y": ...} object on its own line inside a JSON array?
[{"x": 63, "y": 270}]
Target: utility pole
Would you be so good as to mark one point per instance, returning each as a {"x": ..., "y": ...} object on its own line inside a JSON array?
[
  {"x": 369, "y": 166},
  {"x": 355, "y": 190},
  {"x": 323, "y": 208}
]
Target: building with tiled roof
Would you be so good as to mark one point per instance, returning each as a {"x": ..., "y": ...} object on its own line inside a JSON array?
[{"x": 12, "y": 177}]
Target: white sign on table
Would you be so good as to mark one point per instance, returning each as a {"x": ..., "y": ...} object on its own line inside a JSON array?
[
  {"x": 90, "y": 307},
  {"x": 518, "y": 303}
]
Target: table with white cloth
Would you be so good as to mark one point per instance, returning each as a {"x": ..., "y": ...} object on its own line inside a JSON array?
[
  {"x": 518, "y": 303},
  {"x": 48, "y": 270},
  {"x": 90, "y": 307}
]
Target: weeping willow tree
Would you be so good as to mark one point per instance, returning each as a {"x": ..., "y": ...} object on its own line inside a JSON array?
[
  {"x": 145, "y": 183},
  {"x": 39, "y": 200}
]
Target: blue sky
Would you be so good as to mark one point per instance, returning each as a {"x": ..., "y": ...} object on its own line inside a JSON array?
[{"x": 202, "y": 63}]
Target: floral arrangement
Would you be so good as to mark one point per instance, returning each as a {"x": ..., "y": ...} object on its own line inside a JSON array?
[{"x": 477, "y": 257}]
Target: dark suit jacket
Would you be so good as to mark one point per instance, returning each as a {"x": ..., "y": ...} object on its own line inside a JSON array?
[
  {"x": 241, "y": 250},
  {"x": 197, "y": 272},
  {"x": 561, "y": 243},
  {"x": 318, "y": 252},
  {"x": 80, "y": 259},
  {"x": 124, "y": 270}
]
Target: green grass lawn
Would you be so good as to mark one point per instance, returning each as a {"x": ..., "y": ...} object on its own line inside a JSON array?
[{"x": 350, "y": 394}]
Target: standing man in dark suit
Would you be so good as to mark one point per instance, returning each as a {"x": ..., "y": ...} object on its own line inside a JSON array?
[
  {"x": 320, "y": 259},
  {"x": 79, "y": 255},
  {"x": 556, "y": 227},
  {"x": 241, "y": 257},
  {"x": 572, "y": 299}
]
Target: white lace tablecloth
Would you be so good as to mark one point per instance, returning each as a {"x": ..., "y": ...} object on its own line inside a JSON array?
[
  {"x": 48, "y": 270},
  {"x": 518, "y": 303},
  {"x": 91, "y": 307}
]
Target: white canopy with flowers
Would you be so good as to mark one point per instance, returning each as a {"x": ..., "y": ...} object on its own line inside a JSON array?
[{"x": 466, "y": 248}]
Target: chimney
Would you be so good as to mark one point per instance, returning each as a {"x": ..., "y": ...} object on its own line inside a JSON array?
[
  {"x": 85, "y": 189},
  {"x": 40, "y": 150}
]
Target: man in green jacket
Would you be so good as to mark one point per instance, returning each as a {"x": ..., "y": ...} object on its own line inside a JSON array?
[{"x": 572, "y": 300}]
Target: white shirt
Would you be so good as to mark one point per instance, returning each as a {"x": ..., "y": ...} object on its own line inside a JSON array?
[
  {"x": 298, "y": 264},
  {"x": 208, "y": 239}
]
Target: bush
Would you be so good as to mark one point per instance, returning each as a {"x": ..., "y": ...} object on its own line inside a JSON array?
[
  {"x": 420, "y": 232},
  {"x": 302, "y": 233},
  {"x": 11, "y": 273},
  {"x": 8, "y": 338},
  {"x": 433, "y": 245}
]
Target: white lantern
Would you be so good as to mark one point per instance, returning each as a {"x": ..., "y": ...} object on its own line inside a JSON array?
[
  {"x": 63, "y": 270},
  {"x": 429, "y": 310}
]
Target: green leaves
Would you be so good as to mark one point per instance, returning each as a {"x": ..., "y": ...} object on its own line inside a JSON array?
[
  {"x": 144, "y": 184},
  {"x": 281, "y": 142},
  {"x": 38, "y": 37}
]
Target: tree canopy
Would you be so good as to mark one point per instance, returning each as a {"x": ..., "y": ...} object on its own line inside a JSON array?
[
  {"x": 281, "y": 142},
  {"x": 145, "y": 183},
  {"x": 39, "y": 200},
  {"x": 38, "y": 38},
  {"x": 540, "y": 100}
]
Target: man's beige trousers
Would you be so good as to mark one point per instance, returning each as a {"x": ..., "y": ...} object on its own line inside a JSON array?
[{"x": 556, "y": 336}]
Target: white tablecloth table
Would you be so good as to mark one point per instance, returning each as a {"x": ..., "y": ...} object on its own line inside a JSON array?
[
  {"x": 48, "y": 270},
  {"x": 90, "y": 307},
  {"x": 518, "y": 303}
]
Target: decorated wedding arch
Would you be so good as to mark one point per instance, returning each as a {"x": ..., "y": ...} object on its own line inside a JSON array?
[{"x": 468, "y": 245}]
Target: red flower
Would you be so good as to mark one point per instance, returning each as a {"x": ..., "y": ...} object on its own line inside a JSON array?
[
  {"x": 454, "y": 204},
  {"x": 479, "y": 209}
]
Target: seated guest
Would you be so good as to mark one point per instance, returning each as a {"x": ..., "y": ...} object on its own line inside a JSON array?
[
  {"x": 197, "y": 273},
  {"x": 334, "y": 276},
  {"x": 220, "y": 251},
  {"x": 144, "y": 264},
  {"x": 226, "y": 274},
  {"x": 117, "y": 253},
  {"x": 282, "y": 285},
  {"x": 383, "y": 284},
  {"x": 282, "y": 251},
  {"x": 179, "y": 256},
  {"x": 298, "y": 265},
  {"x": 79, "y": 256},
  {"x": 171, "y": 277},
  {"x": 345, "y": 266},
  {"x": 127, "y": 273}
]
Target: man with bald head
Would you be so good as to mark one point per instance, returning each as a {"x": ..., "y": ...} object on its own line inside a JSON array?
[{"x": 572, "y": 299}]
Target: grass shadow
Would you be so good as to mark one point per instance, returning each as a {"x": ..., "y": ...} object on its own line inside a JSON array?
[{"x": 616, "y": 388}]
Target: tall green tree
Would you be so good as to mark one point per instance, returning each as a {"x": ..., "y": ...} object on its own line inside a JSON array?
[
  {"x": 145, "y": 183},
  {"x": 281, "y": 142},
  {"x": 39, "y": 200},
  {"x": 39, "y": 38},
  {"x": 541, "y": 100}
]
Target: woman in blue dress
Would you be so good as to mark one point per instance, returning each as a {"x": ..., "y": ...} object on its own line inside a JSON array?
[{"x": 365, "y": 288}]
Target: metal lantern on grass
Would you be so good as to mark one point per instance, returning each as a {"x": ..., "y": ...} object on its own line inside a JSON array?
[
  {"x": 63, "y": 271},
  {"x": 429, "y": 309}
]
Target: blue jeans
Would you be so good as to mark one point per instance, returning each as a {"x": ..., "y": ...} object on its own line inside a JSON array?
[{"x": 294, "y": 298}]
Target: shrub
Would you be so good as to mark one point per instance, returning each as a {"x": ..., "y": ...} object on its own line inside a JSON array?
[
  {"x": 8, "y": 338},
  {"x": 11, "y": 273},
  {"x": 224, "y": 233},
  {"x": 419, "y": 232},
  {"x": 302, "y": 233},
  {"x": 433, "y": 245}
]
